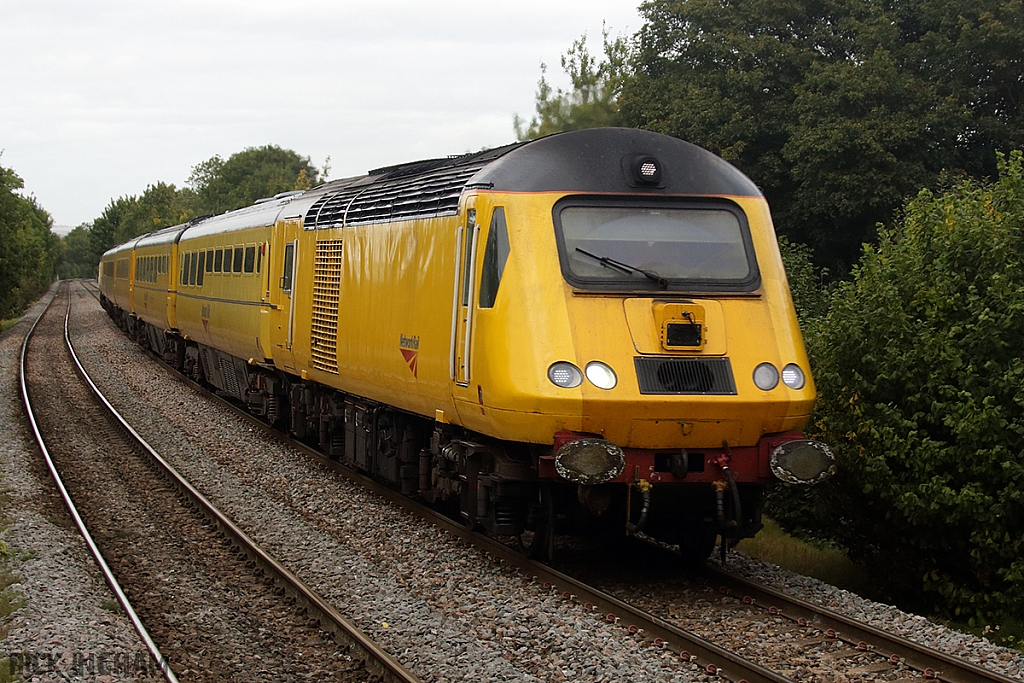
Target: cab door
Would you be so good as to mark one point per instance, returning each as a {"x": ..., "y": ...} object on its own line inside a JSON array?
[
  {"x": 467, "y": 243},
  {"x": 284, "y": 257}
]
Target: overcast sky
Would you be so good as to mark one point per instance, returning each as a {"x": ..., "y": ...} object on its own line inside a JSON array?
[{"x": 99, "y": 99}]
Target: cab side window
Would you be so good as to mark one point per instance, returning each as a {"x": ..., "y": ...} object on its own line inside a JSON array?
[{"x": 495, "y": 256}]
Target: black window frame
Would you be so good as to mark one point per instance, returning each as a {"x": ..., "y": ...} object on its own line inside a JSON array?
[
  {"x": 201, "y": 272},
  {"x": 496, "y": 253},
  {"x": 681, "y": 285}
]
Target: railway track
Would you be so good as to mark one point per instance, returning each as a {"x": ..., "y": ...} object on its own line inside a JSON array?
[
  {"x": 892, "y": 659},
  {"x": 907, "y": 660},
  {"x": 108, "y": 433},
  {"x": 928, "y": 663},
  {"x": 892, "y": 656}
]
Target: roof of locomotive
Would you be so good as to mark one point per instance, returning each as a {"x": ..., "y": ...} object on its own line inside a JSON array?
[
  {"x": 600, "y": 160},
  {"x": 596, "y": 160}
]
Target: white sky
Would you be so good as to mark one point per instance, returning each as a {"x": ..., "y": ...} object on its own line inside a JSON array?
[{"x": 99, "y": 99}]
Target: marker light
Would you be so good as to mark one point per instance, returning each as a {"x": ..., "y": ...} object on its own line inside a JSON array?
[
  {"x": 793, "y": 377},
  {"x": 600, "y": 375},
  {"x": 766, "y": 377},
  {"x": 565, "y": 375},
  {"x": 646, "y": 170}
]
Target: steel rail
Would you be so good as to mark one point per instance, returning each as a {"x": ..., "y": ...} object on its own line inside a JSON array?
[
  {"x": 653, "y": 630},
  {"x": 377, "y": 661},
  {"x": 931, "y": 663},
  {"x": 108, "y": 575}
]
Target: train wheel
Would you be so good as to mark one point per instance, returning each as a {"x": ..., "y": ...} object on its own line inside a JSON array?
[{"x": 537, "y": 541}]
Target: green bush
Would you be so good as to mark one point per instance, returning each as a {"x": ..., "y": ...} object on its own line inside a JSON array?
[{"x": 920, "y": 370}]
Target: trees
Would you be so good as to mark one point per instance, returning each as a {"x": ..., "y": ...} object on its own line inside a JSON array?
[
  {"x": 246, "y": 176},
  {"x": 30, "y": 250},
  {"x": 130, "y": 216},
  {"x": 214, "y": 186},
  {"x": 593, "y": 99},
  {"x": 76, "y": 254},
  {"x": 921, "y": 384},
  {"x": 838, "y": 109}
]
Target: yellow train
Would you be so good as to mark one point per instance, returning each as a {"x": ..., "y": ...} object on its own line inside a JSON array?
[{"x": 592, "y": 330}]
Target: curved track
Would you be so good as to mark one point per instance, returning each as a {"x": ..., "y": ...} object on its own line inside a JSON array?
[
  {"x": 108, "y": 575},
  {"x": 929, "y": 663},
  {"x": 377, "y": 662},
  {"x": 894, "y": 656}
]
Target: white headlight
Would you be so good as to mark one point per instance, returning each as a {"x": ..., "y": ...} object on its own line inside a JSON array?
[
  {"x": 766, "y": 377},
  {"x": 565, "y": 375},
  {"x": 793, "y": 376},
  {"x": 600, "y": 375}
]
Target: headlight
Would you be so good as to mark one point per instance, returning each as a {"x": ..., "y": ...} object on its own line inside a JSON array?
[
  {"x": 793, "y": 377},
  {"x": 565, "y": 375},
  {"x": 766, "y": 377},
  {"x": 600, "y": 375},
  {"x": 589, "y": 461},
  {"x": 803, "y": 462}
]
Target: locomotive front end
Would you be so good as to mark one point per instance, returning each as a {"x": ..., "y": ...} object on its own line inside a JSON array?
[{"x": 675, "y": 380}]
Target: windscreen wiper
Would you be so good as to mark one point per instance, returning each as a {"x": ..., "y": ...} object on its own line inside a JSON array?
[{"x": 626, "y": 268}]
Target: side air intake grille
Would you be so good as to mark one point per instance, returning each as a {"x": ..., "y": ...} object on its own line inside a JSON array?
[
  {"x": 685, "y": 376},
  {"x": 327, "y": 266}
]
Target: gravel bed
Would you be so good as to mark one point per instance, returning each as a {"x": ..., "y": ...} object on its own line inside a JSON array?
[
  {"x": 69, "y": 626},
  {"x": 445, "y": 611},
  {"x": 911, "y": 626},
  {"x": 647, "y": 576},
  {"x": 213, "y": 619}
]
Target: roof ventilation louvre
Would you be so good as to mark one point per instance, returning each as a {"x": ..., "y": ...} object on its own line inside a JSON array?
[{"x": 423, "y": 189}]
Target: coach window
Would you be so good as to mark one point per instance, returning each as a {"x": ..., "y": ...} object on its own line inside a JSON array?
[
  {"x": 202, "y": 269},
  {"x": 236, "y": 265},
  {"x": 495, "y": 256},
  {"x": 193, "y": 269},
  {"x": 289, "y": 265},
  {"x": 184, "y": 268},
  {"x": 218, "y": 260},
  {"x": 209, "y": 261},
  {"x": 259, "y": 256},
  {"x": 250, "y": 258}
]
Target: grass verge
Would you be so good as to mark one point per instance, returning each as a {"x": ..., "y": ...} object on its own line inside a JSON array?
[{"x": 823, "y": 562}]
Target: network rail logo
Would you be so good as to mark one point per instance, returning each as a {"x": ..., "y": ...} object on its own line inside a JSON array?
[
  {"x": 78, "y": 664},
  {"x": 410, "y": 348}
]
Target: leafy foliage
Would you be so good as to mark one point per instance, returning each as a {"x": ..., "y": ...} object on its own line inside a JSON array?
[
  {"x": 593, "y": 100},
  {"x": 76, "y": 254},
  {"x": 30, "y": 250},
  {"x": 808, "y": 284},
  {"x": 921, "y": 384},
  {"x": 838, "y": 109},
  {"x": 214, "y": 186},
  {"x": 246, "y": 176}
]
